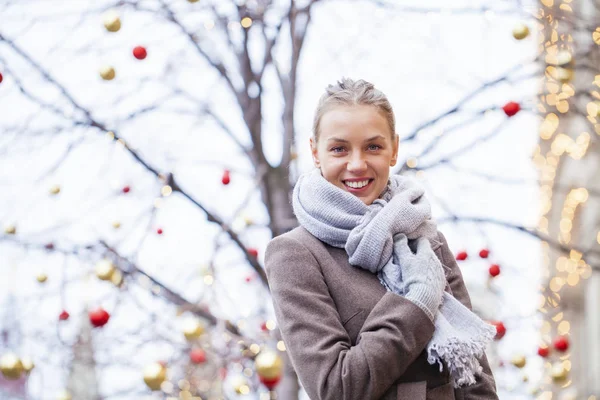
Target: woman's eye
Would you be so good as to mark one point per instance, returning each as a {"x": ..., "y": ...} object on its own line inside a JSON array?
[
  {"x": 338, "y": 149},
  {"x": 374, "y": 147}
]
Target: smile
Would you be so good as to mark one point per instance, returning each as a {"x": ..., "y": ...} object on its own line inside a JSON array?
[{"x": 358, "y": 186}]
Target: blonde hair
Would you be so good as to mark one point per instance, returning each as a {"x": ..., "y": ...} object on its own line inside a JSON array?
[{"x": 348, "y": 92}]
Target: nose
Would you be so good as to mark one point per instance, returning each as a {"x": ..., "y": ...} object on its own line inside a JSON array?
[{"x": 357, "y": 163}]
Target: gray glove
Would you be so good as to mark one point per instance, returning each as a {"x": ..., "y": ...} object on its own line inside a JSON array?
[{"x": 422, "y": 274}]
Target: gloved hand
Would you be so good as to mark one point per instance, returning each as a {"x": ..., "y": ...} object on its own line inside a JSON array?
[{"x": 422, "y": 274}]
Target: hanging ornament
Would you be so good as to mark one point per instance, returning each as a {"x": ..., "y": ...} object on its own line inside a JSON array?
[
  {"x": 112, "y": 22},
  {"x": 192, "y": 1},
  {"x": 55, "y": 189},
  {"x": 65, "y": 395},
  {"x": 520, "y": 31},
  {"x": 10, "y": 229},
  {"x": 561, "y": 343},
  {"x": 500, "y": 329},
  {"x": 511, "y": 108},
  {"x": 268, "y": 364},
  {"x": 41, "y": 277},
  {"x": 192, "y": 328},
  {"x": 1, "y": 77},
  {"x": 558, "y": 372},
  {"x": 11, "y": 366},
  {"x": 105, "y": 269},
  {"x": 484, "y": 253},
  {"x": 126, "y": 189},
  {"x": 494, "y": 270},
  {"x": 99, "y": 317},
  {"x": 264, "y": 327},
  {"x": 140, "y": 52},
  {"x": 107, "y": 73},
  {"x": 49, "y": 246},
  {"x": 154, "y": 375},
  {"x": 27, "y": 364},
  {"x": 226, "y": 177},
  {"x": 253, "y": 252},
  {"x": 519, "y": 361},
  {"x": 159, "y": 231},
  {"x": 197, "y": 356},
  {"x": 248, "y": 278},
  {"x": 63, "y": 316},
  {"x": 116, "y": 224},
  {"x": 543, "y": 351},
  {"x": 461, "y": 255}
]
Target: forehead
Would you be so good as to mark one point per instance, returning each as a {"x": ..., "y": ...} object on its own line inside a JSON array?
[{"x": 353, "y": 121}]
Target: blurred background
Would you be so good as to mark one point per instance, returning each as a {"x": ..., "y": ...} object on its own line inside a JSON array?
[{"x": 148, "y": 149}]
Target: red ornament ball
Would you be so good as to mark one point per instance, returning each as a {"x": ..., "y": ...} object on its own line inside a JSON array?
[
  {"x": 1, "y": 78},
  {"x": 561, "y": 343},
  {"x": 484, "y": 253},
  {"x": 63, "y": 316},
  {"x": 263, "y": 326},
  {"x": 140, "y": 52},
  {"x": 248, "y": 278},
  {"x": 159, "y": 231},
  {"x": 253, "y": 252},
  {"x": 494, "y": 270},
  {"x": 270, "y": 383},
  {"x": 126, "y": 189},
  {"x": 226, "y": 178},
  {"x": 99, "y": 317},
  {"x": 461, "y": 256},
  {"x": 49, "y": 246},
  {"x": 511, "y": 108},
  {"x": 500, "y": 329},
  {"x": 197, "y": 356},
  {"x": 543, "y": 351}
]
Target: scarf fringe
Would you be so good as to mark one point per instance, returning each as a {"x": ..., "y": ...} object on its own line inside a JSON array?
[{"x": 461, "y": 356}]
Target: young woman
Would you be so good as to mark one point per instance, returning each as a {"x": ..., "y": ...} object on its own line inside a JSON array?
[{"x": 368, "y": 297}]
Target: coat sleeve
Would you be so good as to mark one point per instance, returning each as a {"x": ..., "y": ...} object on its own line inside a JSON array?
[
  {"x": 485, "y": 387},
  {"x": 329, "y": 367}
]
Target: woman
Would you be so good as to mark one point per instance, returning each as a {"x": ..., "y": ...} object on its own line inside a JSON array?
[{"x": 368, "y": 297}]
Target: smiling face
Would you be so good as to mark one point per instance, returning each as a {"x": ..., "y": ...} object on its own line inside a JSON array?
[{"x": 355, "y": 150}]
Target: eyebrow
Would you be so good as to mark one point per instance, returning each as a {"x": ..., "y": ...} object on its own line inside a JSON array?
[{"x": 334, "y": 139}]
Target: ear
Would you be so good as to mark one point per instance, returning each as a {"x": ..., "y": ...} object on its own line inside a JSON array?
[
  {"x": 315, "y": 155},
  {"x": 395, "y": 147}
]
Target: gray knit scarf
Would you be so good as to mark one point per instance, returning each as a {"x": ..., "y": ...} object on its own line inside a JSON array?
[{"x": 342, "y": 220}]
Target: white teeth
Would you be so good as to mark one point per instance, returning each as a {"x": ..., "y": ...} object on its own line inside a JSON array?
[{"x": 357, "y": 185}]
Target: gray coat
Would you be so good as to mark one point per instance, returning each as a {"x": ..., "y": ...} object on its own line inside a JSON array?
[{"x": 350, "y": 339}]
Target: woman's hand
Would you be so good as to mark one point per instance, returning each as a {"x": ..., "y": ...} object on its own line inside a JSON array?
[{"x": 422, "y": 274}]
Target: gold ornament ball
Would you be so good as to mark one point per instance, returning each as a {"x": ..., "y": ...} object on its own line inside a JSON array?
[
  {"x": 41, "y": 277},
  {"x": 64, "y": 395},
  {"x": 559, "y": 372},
  {"x": 27, "y": 364},
  {"x": 520, "y": 31},
  {"x": 116, "y": 224},
  {"x": 192, "y": 329},
  {"x": 268, "y": 364},
  {"x": 192, "y": 1},
  {"x": 55, "y": 189},
  {"x": 10, "y": 229},
  {"x": 105, "y": 269},
  {"x": 112, "y": 23},
  {"x": 116, "y": 278},
  {"x": 519, "y": 361},
  {"x": 154, "y": 375},
  {"x": 11, "y": 366},
  {"x": 107, "y": 73}
]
